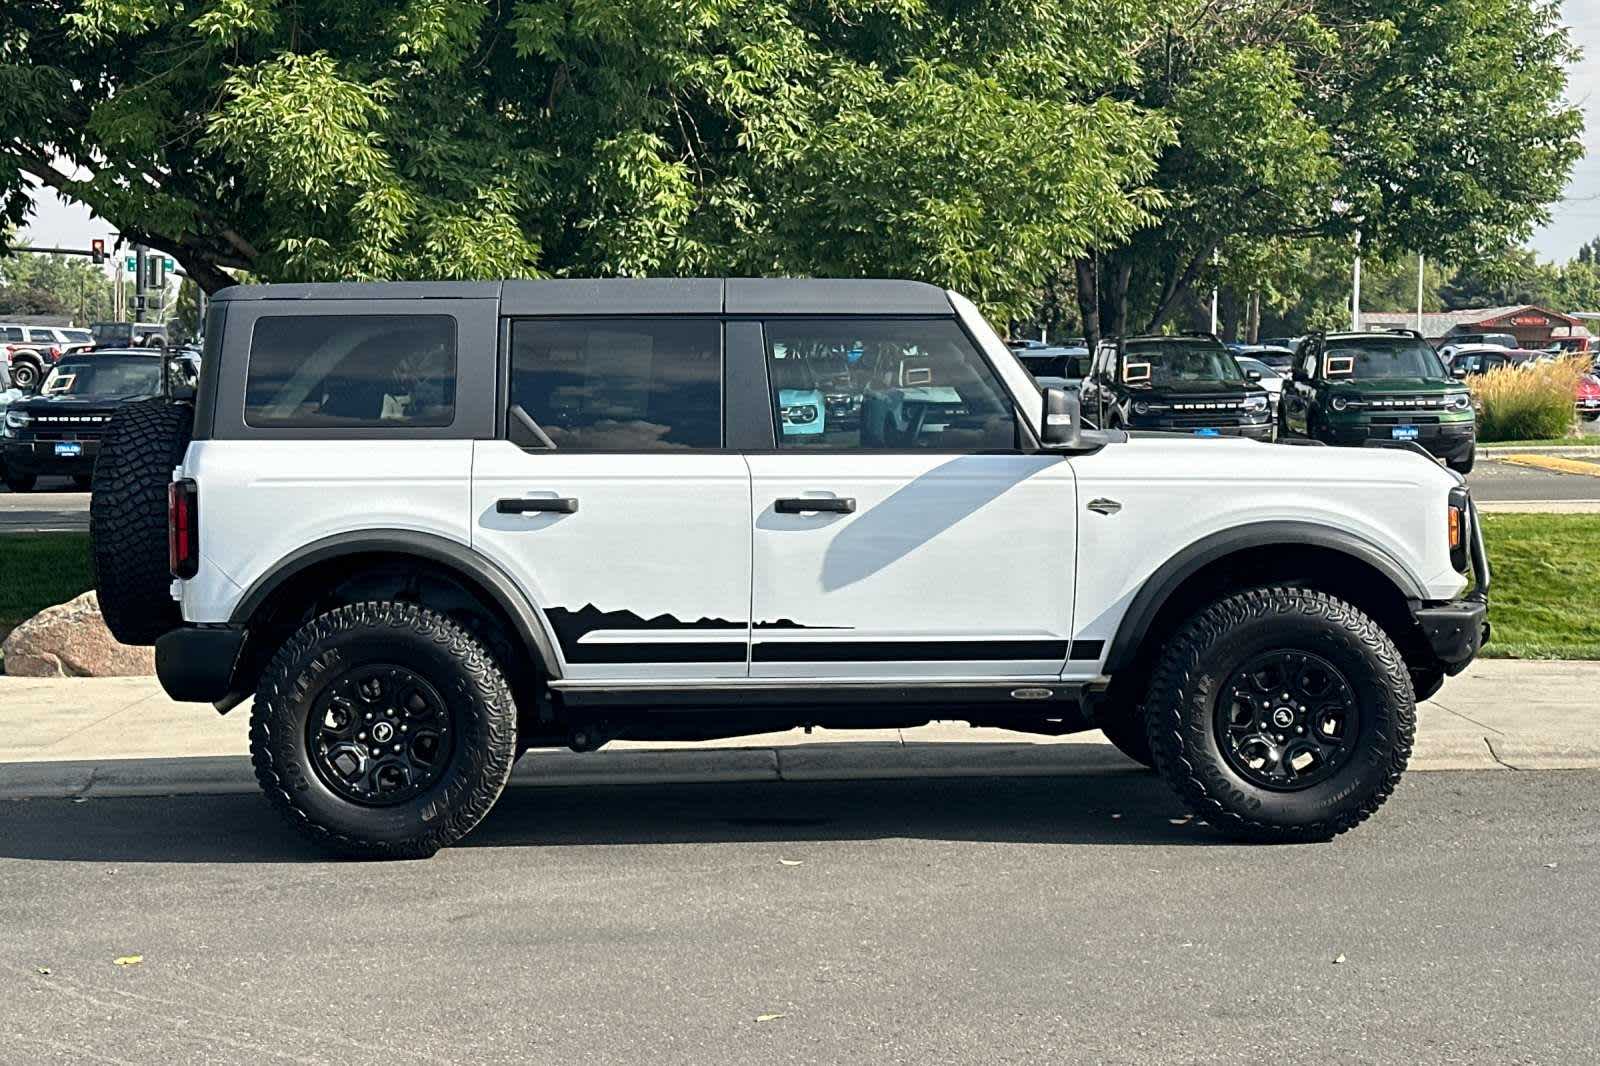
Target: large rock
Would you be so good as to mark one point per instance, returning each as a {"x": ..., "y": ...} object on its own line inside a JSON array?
[{"x": 71, "y": 640}]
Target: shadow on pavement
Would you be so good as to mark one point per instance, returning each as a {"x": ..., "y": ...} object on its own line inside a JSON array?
[{"x": 242, "y": 828}]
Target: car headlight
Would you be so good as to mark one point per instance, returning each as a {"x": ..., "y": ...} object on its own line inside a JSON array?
[
  {"x": 1461, "y": 401},
  {"x": 1255, "y": 404},
  {"x": 17, "y": 419},
  {"x": 1338, "y": 403}
]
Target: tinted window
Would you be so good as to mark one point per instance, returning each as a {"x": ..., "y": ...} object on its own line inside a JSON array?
[
  {"x": 41, "y": 336},
  {"x": 11, "y": 333},
  {"x": 331, "y": 371},
  {"x": 866, "y": 383},
  {"x": 1167, "y": 362},
  {"x": 78, "y": 336},
  {"x": 1380, "y": 357},
  {"x": 105, "y": 377},
  {"x": 620, "y": 385}
]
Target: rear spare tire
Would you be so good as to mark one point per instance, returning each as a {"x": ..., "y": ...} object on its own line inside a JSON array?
[{"x": 128, "y": 518}]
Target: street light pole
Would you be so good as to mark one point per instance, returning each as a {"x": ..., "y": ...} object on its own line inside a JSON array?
[
  {"x": 1213, "y": 293},
  {"x": 1355, "y": 289}
]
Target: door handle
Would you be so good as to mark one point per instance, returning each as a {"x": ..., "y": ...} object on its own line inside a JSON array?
[
  {"x": 553, "y": 504},
  {"x": 803, "y": 504}
]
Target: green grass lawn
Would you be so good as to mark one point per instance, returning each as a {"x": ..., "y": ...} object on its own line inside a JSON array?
[
  {"x": 1545, "y": 600},
  {"x": 40, "y": 569}
]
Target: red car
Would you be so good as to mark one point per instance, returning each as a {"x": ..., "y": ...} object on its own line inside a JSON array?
[{"x": 1587, "y": 401}]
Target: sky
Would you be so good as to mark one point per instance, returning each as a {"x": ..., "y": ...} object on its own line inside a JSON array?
[{"x": 1574, "y": 219}]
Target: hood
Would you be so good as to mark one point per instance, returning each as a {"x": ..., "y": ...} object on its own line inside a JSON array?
[
  {"x": 1387, "y": 386},
  {"x": 1231, "y": 390}
]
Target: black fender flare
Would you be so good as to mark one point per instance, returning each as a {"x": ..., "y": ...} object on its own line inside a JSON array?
[
  {"x": 1167, "y": 578},
  {"x": 450, "y": 554}
]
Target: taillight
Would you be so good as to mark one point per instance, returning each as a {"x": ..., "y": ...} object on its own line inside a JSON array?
[{"x": 183, "y": 528}]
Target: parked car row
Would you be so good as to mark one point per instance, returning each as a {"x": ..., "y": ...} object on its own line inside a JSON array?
[
  {"x": 57, "y": 432},
  {"x": 29, "y": 350},
  {"x": 1334, "y": 388}
]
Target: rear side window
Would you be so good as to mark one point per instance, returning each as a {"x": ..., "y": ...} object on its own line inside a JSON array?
[
  {"x": 351, "y": 371},
  {"x": 617, "y": 385},
  {"x": 11, "y": 333},
  {"x": 41, "y": 336}
]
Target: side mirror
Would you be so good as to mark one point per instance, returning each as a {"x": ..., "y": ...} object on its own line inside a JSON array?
[
  {"x": 1252, "y": 375},
  {"x": 1061, "y": 428}
]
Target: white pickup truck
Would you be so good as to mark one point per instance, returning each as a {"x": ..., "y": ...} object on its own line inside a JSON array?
[{"x": 430, "y": 525}]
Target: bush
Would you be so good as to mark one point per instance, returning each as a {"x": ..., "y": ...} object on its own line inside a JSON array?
[{"x": 1527, "y": 403}]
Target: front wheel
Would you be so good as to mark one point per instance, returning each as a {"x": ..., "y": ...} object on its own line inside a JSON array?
[
  {"x": 1464, "y": 466},
  {"x": 21, "y": 482},
  {"x": 383, "y": 730},
  {"x": 1282, "y": 714}
]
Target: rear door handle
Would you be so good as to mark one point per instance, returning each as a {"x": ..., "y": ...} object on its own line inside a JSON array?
[
  {"x": 554, "y": 504},
  {"x": 803, "y": 504}
]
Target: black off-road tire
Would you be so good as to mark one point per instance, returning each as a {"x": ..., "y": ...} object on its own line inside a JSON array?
[
  {"x": 128, "y": 518},
  {"x": 483, "y": 720},
  {"x": 1211, "y": 646},
  {"x": 21, "y": 482},
  {"x": 1464, "y": 466}
]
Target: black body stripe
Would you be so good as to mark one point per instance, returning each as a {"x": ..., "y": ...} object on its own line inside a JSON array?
[
  {"x": 831, "y": 651},
  {"x": 1087, "y": 649}
]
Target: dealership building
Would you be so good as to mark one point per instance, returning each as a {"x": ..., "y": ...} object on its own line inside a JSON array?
[{"x": 1534, "y": 327}]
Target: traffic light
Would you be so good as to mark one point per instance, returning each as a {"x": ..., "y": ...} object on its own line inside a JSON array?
[
  {"x": 155, "y": 274},
  {"x": 97, "y": 249}
]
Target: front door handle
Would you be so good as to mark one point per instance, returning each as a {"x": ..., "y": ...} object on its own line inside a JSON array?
[
  {"x": 553, "y": 504},
  {"x": 803, "y": 504}
]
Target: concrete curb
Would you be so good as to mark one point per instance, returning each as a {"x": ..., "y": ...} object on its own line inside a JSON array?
[
  {"x": 1575, "y": 451},
  {"x": 232, "y": 774}
]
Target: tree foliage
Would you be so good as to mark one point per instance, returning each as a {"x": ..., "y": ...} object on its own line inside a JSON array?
[
  {"x": 981, "y": 146},
  {"x": 32, "y": 283}
]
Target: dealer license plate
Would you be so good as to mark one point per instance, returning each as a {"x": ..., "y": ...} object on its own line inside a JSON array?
[
  {"x": 69, "y": 449},
  {"x": 1405, "y": 432}
]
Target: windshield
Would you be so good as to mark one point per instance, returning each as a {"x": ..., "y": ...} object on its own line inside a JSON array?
[
  {"x": 1160, "y": 363},
  {"x": 105, "y": 377},
  {"x": 1377, "y": 358}
]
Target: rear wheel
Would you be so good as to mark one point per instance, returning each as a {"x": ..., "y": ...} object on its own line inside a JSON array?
[
  {"x": 21, "y": 482},
  {"x": 128, "y": 518},
  {"x": 82, "y": 482},
  {"x": 1282, "y": 714},
  {"x": 383, "y": 730}
]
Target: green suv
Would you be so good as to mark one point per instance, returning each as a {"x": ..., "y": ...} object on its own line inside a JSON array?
[{"x": 1349, "y": 388}]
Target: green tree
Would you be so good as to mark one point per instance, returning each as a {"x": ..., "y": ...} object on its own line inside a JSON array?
[
  {"x": 1433, "y": 125},
  {"x": 36, "y": 284},
  {"x": 979, "y": 146}
]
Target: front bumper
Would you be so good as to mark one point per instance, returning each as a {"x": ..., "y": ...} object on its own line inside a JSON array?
[
  {"x": 200, "y": 664},
  {"x": 1445, "y": 440},
  {"x": 39, "y": 458},
  {"x": 1458, "y": 629}
]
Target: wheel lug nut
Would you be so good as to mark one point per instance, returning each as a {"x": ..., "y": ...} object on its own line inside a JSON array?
[
  {"x": 1280, "y": 738},
  {"x": 397, "y": 748},
  {"x": 369, "y": 716},
  {"x": 361, "y": 736},
  {"x": 1299, "y": 729}
]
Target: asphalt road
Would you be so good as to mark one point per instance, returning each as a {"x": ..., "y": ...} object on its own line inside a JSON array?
[{"x": 923, "y": 921}]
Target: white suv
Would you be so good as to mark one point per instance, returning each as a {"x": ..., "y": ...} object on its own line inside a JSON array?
[{"x": 430, "y": 525}]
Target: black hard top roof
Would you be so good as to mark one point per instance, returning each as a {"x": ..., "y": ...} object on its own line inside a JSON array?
[{"x": 638, "y": 296}]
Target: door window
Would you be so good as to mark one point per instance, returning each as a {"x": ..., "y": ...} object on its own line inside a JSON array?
[
  {"x": 616, "y": 385},
  {"x": 883, "y": 383}
]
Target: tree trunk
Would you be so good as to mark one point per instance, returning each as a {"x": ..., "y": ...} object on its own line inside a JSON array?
[
  {"x": 1116, "y": 300},
  {"x": 1253, "y": 323},
  {"x": 1088, "y": 270},
  {"x": 1176, "y": 288}
]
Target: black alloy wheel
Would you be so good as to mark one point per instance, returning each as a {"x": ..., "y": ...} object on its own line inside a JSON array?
[
  {"x": 379, "y": 735},
  {"x": 1287, "y": 720}
]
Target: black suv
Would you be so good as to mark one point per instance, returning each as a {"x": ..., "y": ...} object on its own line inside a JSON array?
[
  {"x": 1188, "y": 383},
  {"x": 57, "y": 432}
]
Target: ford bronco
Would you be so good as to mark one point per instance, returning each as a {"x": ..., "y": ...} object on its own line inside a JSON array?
[{"x": 428, "y": 526}]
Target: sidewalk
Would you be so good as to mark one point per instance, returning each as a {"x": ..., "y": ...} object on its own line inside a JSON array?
[{"x": 122, "y": 736}]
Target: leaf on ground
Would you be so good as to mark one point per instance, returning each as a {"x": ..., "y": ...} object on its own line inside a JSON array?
[
  {"x": 1339, "y": 959},
  {"x": 128, "y": 960},
  {"x": 769, "y": 1017},
  {"x": 1549, "y": 866},
  {"x": 790, "y": 862},
  {"x": 44, "y": 971}
]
